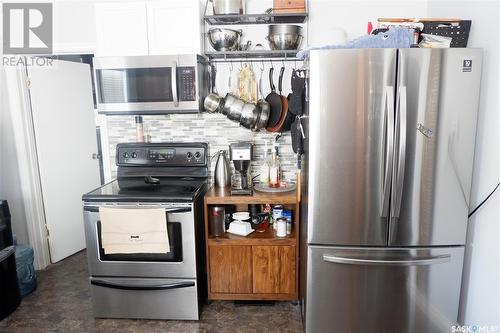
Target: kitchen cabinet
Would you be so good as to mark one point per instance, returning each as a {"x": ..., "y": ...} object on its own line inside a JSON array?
[
  {"x": 260, "y": 266},
  {"x": 174, "y": 27},
  {"x": 121, "y": 29},
  {"x": 231, "y": 269},
  {"x": 273, "y": 269},
  {"x": 148, "y": 28}
]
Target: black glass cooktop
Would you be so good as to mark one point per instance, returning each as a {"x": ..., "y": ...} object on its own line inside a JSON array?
[{"x": 147, "y": 190}]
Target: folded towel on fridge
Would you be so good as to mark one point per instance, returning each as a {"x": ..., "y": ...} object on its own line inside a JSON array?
[
  {"x": 397, "y": 38},
  {"x": 134, "y": 230}
]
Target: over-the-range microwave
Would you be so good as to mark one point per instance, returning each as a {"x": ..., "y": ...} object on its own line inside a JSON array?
[{"x": 150, "y": 84}]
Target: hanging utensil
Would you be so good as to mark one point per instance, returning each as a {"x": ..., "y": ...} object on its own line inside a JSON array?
[
  {"x": 229, "y": 83},
  {"x": 290, "y": 116},
  {"x": 263, "y": 105},
  {"x": 283, "y": 102},
  {"x": 247, "y": 89},
  {"x": 213, "y": 102},
  {"x": 274, "y": 101}
]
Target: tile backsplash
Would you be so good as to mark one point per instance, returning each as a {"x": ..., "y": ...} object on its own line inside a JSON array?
[{"x": 215, "y": 129}]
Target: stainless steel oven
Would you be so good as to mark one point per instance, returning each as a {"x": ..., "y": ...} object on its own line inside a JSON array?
[
  {"x": 150, "y": 84},
  {"x": 180, "y": 262},
  {"x": 170, "y": 285},
  {"x": 161, "y": 286}
]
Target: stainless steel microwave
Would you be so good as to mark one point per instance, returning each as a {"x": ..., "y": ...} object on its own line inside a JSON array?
[{"x": 150, "y": 84}]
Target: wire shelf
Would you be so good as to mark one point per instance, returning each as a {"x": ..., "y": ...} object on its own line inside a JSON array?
[{"x": 235, "y": 19}]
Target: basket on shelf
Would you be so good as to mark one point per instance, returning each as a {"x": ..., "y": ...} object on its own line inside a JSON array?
[{"x": 458, "y": 31}]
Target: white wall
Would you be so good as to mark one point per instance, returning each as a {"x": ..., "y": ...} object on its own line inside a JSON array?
[
  {"x": 352, "y": 16},
  {"x": 480, "y": 288},
  {"x": 10, "y": 186}
]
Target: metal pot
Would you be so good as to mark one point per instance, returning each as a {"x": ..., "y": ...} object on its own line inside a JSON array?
[
  {"x": 249, "y": 115},
  {"x": 284, "y": 36},
  {"x": 223, "y": 39},
  {"x": 224, "y": 7},
  {"x": 233, "y": 107},
  {"x": 263, "y": 118},
  {"x": 213, "y": 103}
]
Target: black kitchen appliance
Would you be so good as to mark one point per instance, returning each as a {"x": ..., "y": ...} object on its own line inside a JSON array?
[
  {"x": 172, "y": 285},
  {"x": 9, "y": 288},
  {"x": 241, "y": 155}
]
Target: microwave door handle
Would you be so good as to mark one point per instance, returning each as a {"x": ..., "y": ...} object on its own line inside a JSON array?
[{"x": 174, "y": 84}]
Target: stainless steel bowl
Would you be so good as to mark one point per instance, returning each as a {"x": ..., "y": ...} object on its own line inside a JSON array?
[
  {"x": 284, "y": 36},
  {"x": 223, "y": 39}
]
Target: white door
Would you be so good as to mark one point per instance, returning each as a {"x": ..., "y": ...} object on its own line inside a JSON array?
[
  {"x": 174, "y": 27},
  {"x": 121, "y": 29},
  {"x": 65, "y": 135}
]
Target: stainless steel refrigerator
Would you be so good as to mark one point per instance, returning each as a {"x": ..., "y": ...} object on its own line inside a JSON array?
[{"x": 389, "y": 151}]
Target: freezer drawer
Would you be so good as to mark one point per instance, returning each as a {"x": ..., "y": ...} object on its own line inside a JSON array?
[
  {"x": 383, "y": 290},
  {"x": 144, "y": 298}
]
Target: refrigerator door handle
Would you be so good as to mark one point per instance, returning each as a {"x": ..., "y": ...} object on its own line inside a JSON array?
[
  {"x": 429, "y": 260},
  {"x": 399, "y": 170},
  {"x": 389, "y": 149}
]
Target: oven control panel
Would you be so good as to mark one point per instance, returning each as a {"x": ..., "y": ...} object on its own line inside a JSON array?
[{"x": 151, "y": 154}]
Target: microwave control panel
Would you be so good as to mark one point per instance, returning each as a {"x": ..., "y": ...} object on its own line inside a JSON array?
[{"x": 186, "y": 78}]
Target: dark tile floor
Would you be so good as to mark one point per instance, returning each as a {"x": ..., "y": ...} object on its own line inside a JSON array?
[{"x": 62, "y": 304}]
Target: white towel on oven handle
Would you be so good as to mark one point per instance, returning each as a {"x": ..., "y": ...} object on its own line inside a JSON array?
[{"x": 134, "y": 230}]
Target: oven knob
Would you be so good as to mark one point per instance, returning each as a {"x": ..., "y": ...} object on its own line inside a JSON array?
[
  {"x": 189, "y": 155},
  {"x": 197, "y": 155},
  {"x": 134, "y": 154},
  {"x": 125, "y": 155}
]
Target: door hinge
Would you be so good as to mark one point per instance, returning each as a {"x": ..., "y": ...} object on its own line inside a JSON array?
[
  {"x": 47, "y": 232},
  {"x": 28, "y": 83}
]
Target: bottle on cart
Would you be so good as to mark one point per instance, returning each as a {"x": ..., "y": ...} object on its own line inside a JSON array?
[
  {"x": 274, "y": 168},
  {"x": 265, "y": 167}
]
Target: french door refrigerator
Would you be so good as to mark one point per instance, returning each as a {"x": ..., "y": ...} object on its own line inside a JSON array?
[{"x": 389, "y": 151}]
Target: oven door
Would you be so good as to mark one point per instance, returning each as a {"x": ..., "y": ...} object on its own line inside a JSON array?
[
  {"x": 147, "y": 85},
  {"x": 180, "y": 262}
]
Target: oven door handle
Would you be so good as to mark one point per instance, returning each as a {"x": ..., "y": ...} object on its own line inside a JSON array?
[
  {"x": 163, "y": 286},
  {"x": 95, "y": 209}
]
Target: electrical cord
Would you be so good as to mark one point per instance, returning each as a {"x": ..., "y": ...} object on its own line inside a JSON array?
[{"x": 484, "y": 201}]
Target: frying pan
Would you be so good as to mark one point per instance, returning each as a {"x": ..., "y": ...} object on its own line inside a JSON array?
[
  {"x": 284, "y": 105},
  {"x": 274, "y": 101}
]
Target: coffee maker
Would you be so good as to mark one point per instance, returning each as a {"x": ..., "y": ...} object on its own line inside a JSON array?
[{"x": 240, "y": 154}]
